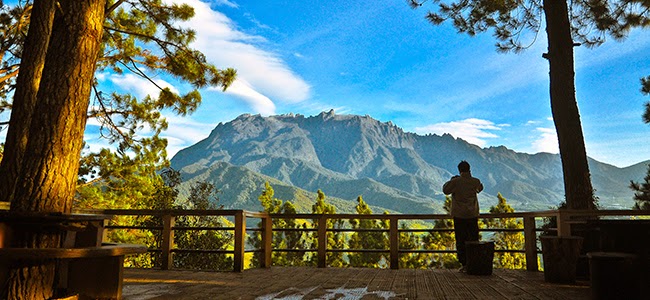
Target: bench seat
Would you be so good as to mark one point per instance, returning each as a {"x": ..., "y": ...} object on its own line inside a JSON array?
[{"x": 89, "y": 272}]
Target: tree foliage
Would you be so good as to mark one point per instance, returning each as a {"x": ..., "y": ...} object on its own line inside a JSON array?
[
  {"x": 442, "y": 240},
  {"x": 517, "y": 24},
  {"x": 642, "y": 192},
  {"x": 507, "y": 240},
  {"x": 335, "y": 240},
  {"x": 374, "y": 238},
  {"x": 642, "y": 189},
  {"x": 284, "y": 240},
  {"x": 142, "y": 38},
  {"x": 202, "y": 196}
]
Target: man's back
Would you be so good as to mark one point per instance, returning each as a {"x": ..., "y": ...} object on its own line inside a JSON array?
[{"x": 463, "y": 190}]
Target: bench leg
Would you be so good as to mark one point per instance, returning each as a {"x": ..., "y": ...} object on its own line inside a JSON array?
[{"x": 96, "y": 277}]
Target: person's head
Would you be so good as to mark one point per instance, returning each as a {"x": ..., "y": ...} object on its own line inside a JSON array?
[{"x": 463, "y": 167}]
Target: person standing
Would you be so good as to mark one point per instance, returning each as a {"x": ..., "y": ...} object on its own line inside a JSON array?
[{"x": 464, "y": 208}]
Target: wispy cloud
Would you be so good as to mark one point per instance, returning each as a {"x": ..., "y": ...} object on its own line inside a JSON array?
[
  {"x": 227, "y": 3},
  {"x": 257, "y": 101},
  {"x": 473, "y": 130},
  {"x": 264, "y": 72},
  {"x": 183, "y": 132},
  {"x": 137, "y": 86},
  {"x": 546, "y": 142}
]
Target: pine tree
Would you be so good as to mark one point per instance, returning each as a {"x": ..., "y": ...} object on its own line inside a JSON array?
[
  {"x": 645, "y": 89},
  {"x": 141, "y": 37},
  {"x": 410, "y": 241},
  {"x": 442, "y": 240},
  {"x": 203, "y": 196},
  {"x": 335, "y": 240},
  {"x": 373, "y": 239},
  {"x": 507, "y": 240},
  {"x": 294, "y": 240},
  {"x": 642, "y": 192}
]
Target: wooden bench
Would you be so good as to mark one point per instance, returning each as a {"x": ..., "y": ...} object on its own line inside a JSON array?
[
  {"x": 85, "y": 266},
  {"x": 92, "y": 272}
]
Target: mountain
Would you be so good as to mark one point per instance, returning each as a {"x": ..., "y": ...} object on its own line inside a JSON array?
[{"x": 349, "y": 155}]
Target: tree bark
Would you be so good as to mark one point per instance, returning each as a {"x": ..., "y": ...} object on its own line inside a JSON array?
[
  {"x": 577, "y": 182},
  {"x": 29, "y": 77},
  {"x": 48, "y": 175}
]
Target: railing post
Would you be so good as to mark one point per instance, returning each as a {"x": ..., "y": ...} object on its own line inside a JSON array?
[
  {"x": 394, "y": 243},
  {"x": 167, "y": 241},
  {"x": 563, "y": 226},
  {"x": 267, "y": 238},
  {"x": 322, "y": 241},
  {"x": 240, "y": 233},
  {"x": 530, "y": 243}
]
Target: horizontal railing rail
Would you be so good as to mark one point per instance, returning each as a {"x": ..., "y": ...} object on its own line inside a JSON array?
[{"x": 564, "y": 219}]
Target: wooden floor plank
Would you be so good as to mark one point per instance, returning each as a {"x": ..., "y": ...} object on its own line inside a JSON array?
[
  {"x": 427, "y": 285},
  {"x": 343, "y": 283}
]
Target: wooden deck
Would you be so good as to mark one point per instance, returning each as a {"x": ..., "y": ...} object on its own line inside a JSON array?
[{"x": 343, "y": 283}]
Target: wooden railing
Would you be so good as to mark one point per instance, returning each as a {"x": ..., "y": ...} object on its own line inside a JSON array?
[{"x": 564, "y": 220}]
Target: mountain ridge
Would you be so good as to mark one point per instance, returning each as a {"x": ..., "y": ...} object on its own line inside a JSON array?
[{"x": 350, "y": 155}]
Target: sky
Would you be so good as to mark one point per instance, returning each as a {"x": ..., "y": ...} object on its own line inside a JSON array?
[{"x": 383, "y": 59}]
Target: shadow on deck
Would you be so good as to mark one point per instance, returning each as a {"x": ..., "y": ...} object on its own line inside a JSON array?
[{"x": 343, "y": 283}]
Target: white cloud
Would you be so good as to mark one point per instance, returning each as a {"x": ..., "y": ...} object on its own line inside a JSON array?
[
  {"x": 546, "y": 142},
  {"x": 183, "y": 132},
  {"x": 260, "y": 103},
  {"x": 472, "y": 130},
  {"x": 264, "y": 72},
  {"x": 138, "y": 86}
]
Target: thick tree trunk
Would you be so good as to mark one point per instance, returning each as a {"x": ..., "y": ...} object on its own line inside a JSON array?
[
  {"x": 48, "y": 176},
  {"x": 49, "y": 173},
  {"x": 577, "y": 181},
  {"x": 29, "y": 77}
]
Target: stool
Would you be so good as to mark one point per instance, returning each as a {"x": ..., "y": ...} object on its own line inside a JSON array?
[{"x": 480, "y": 255}]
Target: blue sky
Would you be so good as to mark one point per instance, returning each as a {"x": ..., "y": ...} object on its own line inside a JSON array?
[{"x": 383, "y": 59}]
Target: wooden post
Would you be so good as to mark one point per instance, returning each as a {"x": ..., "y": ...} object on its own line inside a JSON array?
[
  {"x": 530, "y": 244},
  {"x": 104, "y": 234},
  {"x": 322, "y": 242},
  {"x": 240, "y": 233},
  {"x": 167, "y": 242},
  {"x": 563, "y": 226},
  {"x": 394, "y": 243},
  {"x": 267, "y": 239}
]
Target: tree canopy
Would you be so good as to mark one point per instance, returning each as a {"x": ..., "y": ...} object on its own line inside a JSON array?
[{"x": 142, "y": 38}]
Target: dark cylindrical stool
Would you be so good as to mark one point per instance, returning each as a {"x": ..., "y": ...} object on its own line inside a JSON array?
[
  {"x": 560, "y": 255},
  {"x": 614, "y": 275},
  {"x": 480, "y": 255}
]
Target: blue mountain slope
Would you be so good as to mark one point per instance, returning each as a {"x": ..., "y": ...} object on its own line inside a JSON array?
[{"x": 349, "y": 155}]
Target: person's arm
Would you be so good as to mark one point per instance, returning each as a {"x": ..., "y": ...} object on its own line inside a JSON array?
[
  {"x": 449, "y": 186},
  {"x": 479, "y": 188}
]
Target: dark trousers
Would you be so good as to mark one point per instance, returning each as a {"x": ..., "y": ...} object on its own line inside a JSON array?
[{"x": 465, "y": 230}]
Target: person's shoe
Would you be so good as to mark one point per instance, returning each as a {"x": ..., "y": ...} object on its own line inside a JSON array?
[{"x": 462, "y": 269}]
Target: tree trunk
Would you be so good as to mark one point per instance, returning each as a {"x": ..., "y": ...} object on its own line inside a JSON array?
[
  {"x": 48, "y": 176},
  {"x": 577, "y": 181},
  {"x": 29, "y": 77}
]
